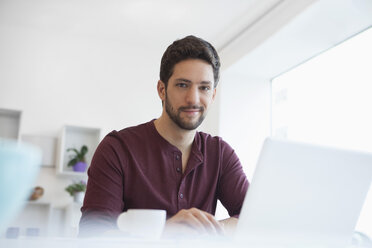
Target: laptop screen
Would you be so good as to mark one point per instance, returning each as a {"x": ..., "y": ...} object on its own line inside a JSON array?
[{"x": 304, "y": 194}]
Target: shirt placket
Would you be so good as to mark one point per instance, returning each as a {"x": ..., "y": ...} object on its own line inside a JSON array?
[{"x": 181, "y": 197}]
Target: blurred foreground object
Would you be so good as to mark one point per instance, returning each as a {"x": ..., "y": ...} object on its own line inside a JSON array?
[{"x": 19, "y": 166}]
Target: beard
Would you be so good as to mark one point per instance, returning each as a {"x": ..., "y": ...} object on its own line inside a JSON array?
[{"x": 183, "y": 123}]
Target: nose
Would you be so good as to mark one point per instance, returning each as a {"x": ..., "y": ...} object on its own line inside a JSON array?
[{"x": 192, "y": 96}]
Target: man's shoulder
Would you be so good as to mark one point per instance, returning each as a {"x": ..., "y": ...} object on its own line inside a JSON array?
[
  {"x": 138, "y": 129},
  {"x": 214, "y": 147},
  {"x": 208, "y": 139},
  {"x": 207, "y": 136},
  {"x": 132, "y": 132}
]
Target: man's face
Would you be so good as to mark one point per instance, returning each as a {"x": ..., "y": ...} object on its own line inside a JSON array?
[{"x": 189, "y": 93}]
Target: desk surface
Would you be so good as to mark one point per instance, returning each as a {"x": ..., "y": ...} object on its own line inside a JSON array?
[{"x": 132, "y": 243}]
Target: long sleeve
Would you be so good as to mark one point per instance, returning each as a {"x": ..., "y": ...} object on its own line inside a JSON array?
[
  {"x": 104, "y": 196},
  {"x": 233, "y": 183}
]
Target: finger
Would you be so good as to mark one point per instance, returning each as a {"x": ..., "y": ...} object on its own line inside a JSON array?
[
  {"x": 205, "y": 221},
  {"x": 195, "y": 222},
  {"x": 198, "y": 220},
  {"x": 217, "y": 225},
  {"x": 208, "y": 221}
]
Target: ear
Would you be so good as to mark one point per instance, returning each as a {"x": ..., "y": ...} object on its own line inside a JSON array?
[
  {"x": 214, "y": 94},
  {"x": 161, "y": 90}
]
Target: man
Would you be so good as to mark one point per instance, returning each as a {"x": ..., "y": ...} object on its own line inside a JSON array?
[{"x": 166, "y": 163}]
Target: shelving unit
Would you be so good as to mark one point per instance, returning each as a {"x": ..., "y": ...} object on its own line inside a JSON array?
[
  {"x": 72, "y": 218},
  {"x": 10, "y": 121},
  {"x": 76, "y": 137},
  {"x": 34, "y": 217}
]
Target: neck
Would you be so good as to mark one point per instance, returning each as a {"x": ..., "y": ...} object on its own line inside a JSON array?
[{"x": 170, "y": 131}]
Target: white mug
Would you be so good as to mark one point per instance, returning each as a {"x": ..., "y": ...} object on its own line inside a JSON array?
[{"x": 144, "y": 223}]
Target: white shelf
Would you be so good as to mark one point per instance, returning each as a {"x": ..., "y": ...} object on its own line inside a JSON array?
[
  {"x": 10, "y": 121},
  {"x": 76, "y": 137},
  {"x": 46, "y": 219},
  {"x": 72, "y": 218},
  {"x": 35, "y": 215}
]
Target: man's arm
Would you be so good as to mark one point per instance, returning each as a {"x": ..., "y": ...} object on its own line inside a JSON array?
[
  {"x": 233, "y": 186},
  {"x": 103, "y": 200},
  {"x": 96, "y": 223}
]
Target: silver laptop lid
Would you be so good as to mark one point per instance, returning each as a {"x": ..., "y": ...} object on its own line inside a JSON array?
[{"x": 304, "y": 194}]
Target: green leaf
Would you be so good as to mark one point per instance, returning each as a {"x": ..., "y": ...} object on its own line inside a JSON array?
[
  {"x": 78, "y": 156},
  {"x": 76, "y": 187},
  {"x": 74, "y": 150},
  {"x": 72, "y": 162},
  {"x": 83, "y": 150}
]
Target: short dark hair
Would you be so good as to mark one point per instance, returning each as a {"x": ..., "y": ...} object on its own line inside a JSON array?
[{"x": 190, "y": 47}]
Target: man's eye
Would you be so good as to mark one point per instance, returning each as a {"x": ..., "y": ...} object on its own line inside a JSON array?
[
  {"x": 205, "y": 88},
  {"x": 182, "y": 85}
]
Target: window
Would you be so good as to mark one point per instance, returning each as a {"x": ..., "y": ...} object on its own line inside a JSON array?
[{"x": 328, "y": 100}]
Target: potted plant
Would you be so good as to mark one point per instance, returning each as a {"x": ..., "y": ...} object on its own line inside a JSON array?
[
  {"x": 77, "y": 160},
  {"x": 77, "y": 190}
]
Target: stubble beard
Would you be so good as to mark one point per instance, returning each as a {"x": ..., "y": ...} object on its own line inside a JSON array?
[{"x": 175, "y": 115}]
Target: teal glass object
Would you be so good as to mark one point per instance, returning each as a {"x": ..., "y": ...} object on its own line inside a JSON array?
[{"x": 19, "y": 166}]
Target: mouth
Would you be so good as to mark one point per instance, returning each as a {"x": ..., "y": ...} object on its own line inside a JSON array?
[{"x": 193, "y": 111}]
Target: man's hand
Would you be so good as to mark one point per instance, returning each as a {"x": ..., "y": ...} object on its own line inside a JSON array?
[
  {"x": 193, "y": 221},
  {"x": 229, "y": 225}
]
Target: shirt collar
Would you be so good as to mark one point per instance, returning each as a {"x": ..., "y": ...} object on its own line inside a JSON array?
[{"x": 196, "y": 148}]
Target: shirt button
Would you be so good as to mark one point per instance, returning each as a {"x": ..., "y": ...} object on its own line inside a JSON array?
[
  {"x": 178, "y": 169},
  {"x": 181, "y": 196},
  {"x": 177, "y": 157}
]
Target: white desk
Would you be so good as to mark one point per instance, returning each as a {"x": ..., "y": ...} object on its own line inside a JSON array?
[{"x": 132, "y": 243}]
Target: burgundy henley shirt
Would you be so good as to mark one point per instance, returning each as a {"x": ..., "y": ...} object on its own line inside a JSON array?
[{"x": 136, "y": 168}]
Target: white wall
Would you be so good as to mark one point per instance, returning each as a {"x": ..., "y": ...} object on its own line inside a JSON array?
[
  {"x": 245, "y": 115},
  {"x": 57, "y": 79}
]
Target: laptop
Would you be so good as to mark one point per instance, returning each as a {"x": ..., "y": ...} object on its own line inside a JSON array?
[{"x": 303, "y": 195}]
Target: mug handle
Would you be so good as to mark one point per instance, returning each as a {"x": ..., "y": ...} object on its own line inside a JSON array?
[{"x": 120, "y": 222}]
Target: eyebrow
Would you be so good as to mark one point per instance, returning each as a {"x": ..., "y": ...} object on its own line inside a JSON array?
[{"x": 189, "y": 81}]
